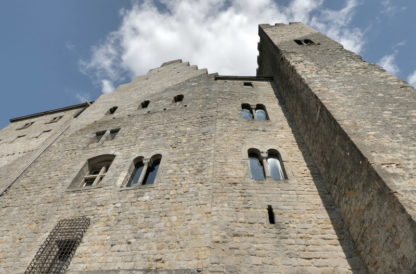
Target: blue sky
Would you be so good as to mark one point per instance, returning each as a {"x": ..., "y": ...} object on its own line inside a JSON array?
[{"x": 55, "y": 53}]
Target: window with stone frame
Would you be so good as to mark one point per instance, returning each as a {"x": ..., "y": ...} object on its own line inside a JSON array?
[
  {"x": 264, "y": 165},
  {"x": 246, "y": 112},
  {"x": 93, "y": 172},
  {"x": 256, "y": 164},
  {"x": 144, "y": 171},
  {"x": 260, "y": 112},
  {"x": 275, "y": 165},
  {"x": 257, "y": 112}
]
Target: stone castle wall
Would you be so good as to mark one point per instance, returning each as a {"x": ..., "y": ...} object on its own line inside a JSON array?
[
  {"x": 204, "y": 213},
  {"x": 358, "y": 123}
]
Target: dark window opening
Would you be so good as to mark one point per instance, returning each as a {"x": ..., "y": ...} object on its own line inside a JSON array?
[
  {"x": 270, "y": 212},
  {"x": 248, "y": 84},
  {"x": 89, "y": 181},
  {"x": 138, "y": 168},
  {"x": 56, "y": 252},
  {"x": 144, "y": 104},
  {"x": 112, "y": 110},
  {"x": 246, "y": 112},
  {"x": 55, "y": 119},
  {"x": 178, "y": 98},
  {"x": 299, "y": 42},
  {"x": 99, "y": 135},
  {"x": 25, "y": 125},
  {"x": 152, "y": 169},
  {"x": 113, "y": 133},
  {"x": 308, "y": 42}
]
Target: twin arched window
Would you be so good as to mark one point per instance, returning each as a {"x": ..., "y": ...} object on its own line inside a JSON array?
[
  {"x": 269, "y": 166},
  {"x": 145, "y": 171},
  {"x": 257, "y": 112}
]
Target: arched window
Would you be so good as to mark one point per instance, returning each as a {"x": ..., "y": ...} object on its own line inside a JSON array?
[
  {"x": 260, "y": 112},
  {"x": 137, "y": 172},
  {"x": 246, "y": 112},
  {"x": 93, "y": 171},
  {"x": 255, "y": 164},
  {"x": 152, "y": 168},
  {"x": 275, "y": 165}
]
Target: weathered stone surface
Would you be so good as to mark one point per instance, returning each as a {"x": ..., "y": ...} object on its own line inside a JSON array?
[
  {"x": 358, "y": 123},
  {"x": 204, "y": 214}
]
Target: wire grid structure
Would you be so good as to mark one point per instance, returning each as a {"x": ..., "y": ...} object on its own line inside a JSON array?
[{"x": 56, "y": 252}]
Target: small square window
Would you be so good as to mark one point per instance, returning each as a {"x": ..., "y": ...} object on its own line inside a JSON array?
[
  {"x": 112, "y": 110},
  {"x": 178, "y": 98},
  {"x": 248, "y": 84},
  {"x": 99, "y": 135},
  {"x": 145, "y": 104},
  {"x": 113, "y": 133}
]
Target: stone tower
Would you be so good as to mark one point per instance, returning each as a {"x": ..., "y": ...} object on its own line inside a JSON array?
[{"x": 307, "y": 167}]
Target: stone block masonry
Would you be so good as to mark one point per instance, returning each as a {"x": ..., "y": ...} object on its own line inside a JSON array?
[
  {"x": 358, "y": 123},
  {"x": 346, "y": 206}
]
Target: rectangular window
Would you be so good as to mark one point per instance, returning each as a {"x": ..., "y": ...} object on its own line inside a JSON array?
[
  {"x": 113, "y": 133},
  {"x": 99, "y": 135},
  {"x": 56, "y": 252}
]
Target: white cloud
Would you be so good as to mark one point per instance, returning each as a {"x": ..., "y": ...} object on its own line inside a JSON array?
[
  {"x": 220, "y": 35},
  {"x": 83, "y": 97},
  {"x": 390, "y": 9},
  {"x": 412, "y": 79},
  {"x": 388, "y": 62},
  {"x": 107, "y": 86}
]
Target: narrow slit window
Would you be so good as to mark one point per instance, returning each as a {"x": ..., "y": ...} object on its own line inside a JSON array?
[
  {"x": 137, "y": 172},
  {"x": 299, "y": 42},
  {"x": 152, "y": 170},
  {"x": 270, "y": 213},
  {"x": 256, "y": 166},
  {"x": 113, "y": 133},
  {"x": 112, "y": 110},
  {"x": 145, "y": 104},
  {"x": 275, "y": 165},
  {"x": 178, "y": 98},
  {"x": 248, "y": 84},
  {"x": 246, "y": 112},
  {"x": 260, "y": 112}
]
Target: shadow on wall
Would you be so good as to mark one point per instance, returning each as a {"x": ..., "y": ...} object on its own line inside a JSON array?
[{"x": 356, "y": 263}]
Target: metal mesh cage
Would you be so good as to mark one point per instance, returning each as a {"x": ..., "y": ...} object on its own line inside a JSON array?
[{"x": 57, "y": 250}]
